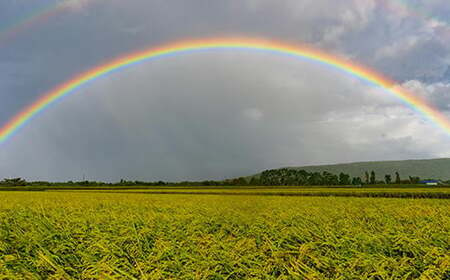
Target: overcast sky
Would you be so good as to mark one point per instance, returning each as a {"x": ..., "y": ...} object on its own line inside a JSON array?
[{"x": 219, "y": 114}]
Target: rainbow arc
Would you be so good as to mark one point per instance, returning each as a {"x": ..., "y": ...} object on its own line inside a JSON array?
[{"x": 235, "y": 44}]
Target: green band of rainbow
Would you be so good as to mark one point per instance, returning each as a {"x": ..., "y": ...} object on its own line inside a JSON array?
[{"x": 361, "y": 72}]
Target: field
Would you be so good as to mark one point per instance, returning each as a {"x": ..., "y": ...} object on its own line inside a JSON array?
[
  {"x": 399, "y": 192},
  {"x": 125, "y": 235}
]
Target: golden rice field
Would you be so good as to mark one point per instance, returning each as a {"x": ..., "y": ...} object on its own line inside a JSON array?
[
  {"x": 82, "y": 235},
  {"x": 421, "y": 192}
]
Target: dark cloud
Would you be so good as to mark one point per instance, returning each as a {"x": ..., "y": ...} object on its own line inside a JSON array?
[{"x": 217, "y": 115}]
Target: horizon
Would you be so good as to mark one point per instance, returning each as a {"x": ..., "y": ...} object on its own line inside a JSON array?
[{"x": 86, "y": 179}]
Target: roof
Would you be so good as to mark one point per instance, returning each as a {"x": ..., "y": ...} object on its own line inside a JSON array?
[{"x": 429, "y": 181}]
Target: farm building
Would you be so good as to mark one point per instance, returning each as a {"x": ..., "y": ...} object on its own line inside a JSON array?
[{"x": 430, "y": 182}]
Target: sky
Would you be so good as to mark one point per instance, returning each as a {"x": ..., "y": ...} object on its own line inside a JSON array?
[{"x": 219, "y": 114}]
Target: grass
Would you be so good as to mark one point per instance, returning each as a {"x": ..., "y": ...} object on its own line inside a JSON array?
[{"x": 76, "y": 235}]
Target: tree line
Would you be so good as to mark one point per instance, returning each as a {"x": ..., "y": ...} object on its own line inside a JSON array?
[
  {"x": 295, "y": 177},
  {"x": 273, "y": 177}
]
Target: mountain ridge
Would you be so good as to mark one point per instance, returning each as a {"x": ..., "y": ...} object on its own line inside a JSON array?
[{"x": 437, "y": 168}]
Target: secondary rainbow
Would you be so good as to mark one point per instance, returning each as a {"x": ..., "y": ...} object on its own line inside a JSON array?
[
  {"x": 30, "y": 20},
  {"x": 44, "y": 13},
  {"x": 295, "y": 51}
]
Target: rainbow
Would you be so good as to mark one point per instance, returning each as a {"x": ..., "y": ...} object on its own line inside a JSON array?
[
  {"x": 185, "y": 47},
  {"x": 32, "y": 19},
  {"x": 41, "y": 15}
]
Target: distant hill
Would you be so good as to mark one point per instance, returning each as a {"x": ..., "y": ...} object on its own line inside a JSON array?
[{"x": 425, "y": 168}]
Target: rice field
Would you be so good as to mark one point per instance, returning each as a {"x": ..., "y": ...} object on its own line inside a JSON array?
[
  {"x": 416, "y": 192},
  {"x": 102, "y": 235}
]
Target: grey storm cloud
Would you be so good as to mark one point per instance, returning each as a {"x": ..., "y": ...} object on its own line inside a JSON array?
[{"x": 218, "y": 114}]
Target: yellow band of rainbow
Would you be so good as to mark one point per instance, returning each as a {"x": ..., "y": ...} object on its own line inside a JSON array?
[{"x": 356, "y": 70}]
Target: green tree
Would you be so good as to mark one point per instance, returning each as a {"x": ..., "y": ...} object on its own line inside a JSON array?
[
  {"x": 356, "y": 181},
  {"x": 315, "y": 179},
  {"x": 329, "y": 179},
  {"x": 387, "y": 178},
  {"x": 255, "y": 182},
  {"x": 372, "y": 177},
  {"x": 414, "y": 180},
  {"x": 241, "y": 181},
  {"x": 14, "y": 182},
  {"x": 344, "y": 179},
  {"x": 397, "y": 178},
  {"x": 367, "y": 177}
]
